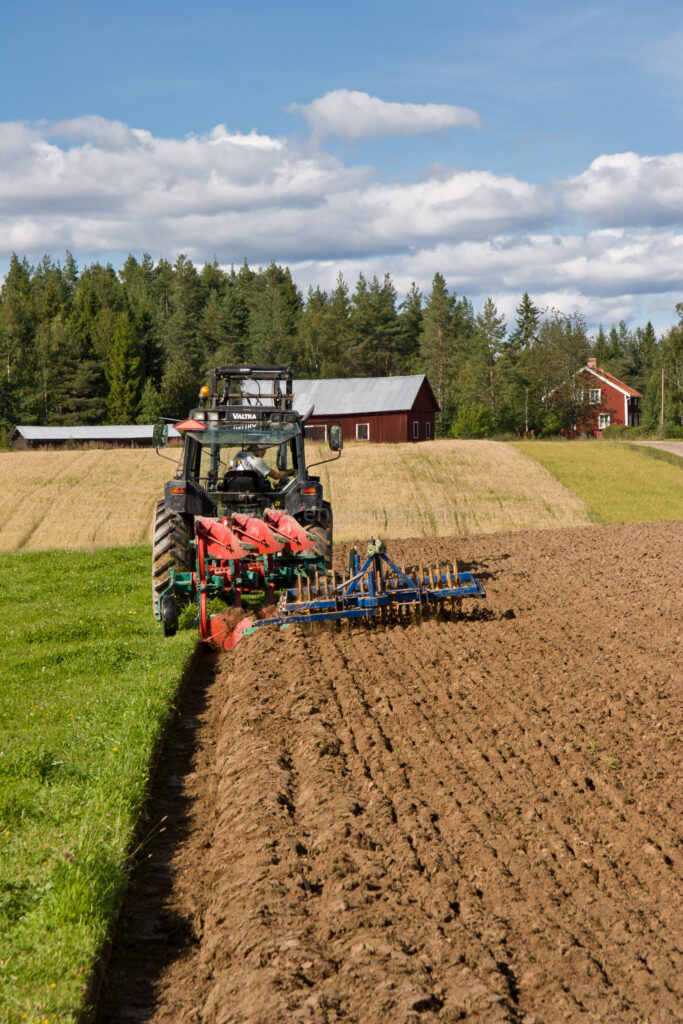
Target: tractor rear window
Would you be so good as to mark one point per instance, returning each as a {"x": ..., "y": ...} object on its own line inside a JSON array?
[{"x": 218, "y": 452}]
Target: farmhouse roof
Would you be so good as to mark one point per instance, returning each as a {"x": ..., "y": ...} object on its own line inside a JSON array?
[
  {"x": 355, "y": 395},
  {"x": 608, "y": 378},
  {"x": 122, "y": 432}
]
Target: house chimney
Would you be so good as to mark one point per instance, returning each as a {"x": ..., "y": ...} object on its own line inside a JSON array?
[{"x": 592, "y": 364}]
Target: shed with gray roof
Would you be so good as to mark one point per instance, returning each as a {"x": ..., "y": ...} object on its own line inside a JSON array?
[
  {"x": 109, "y": 436},
  {"x": 381, "y": 409}
]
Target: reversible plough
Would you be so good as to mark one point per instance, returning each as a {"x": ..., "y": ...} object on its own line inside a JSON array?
[{"x": 269, "y": 566}]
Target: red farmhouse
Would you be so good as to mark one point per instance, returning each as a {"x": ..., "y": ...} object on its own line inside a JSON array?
[
  {"x": 609, "y": 399},
  {"x": 384, "y": 409}
]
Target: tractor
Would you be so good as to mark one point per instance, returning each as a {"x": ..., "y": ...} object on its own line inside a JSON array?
[
  {"x": 238, "y": 535},
  {"x": 211, "y": 497}
]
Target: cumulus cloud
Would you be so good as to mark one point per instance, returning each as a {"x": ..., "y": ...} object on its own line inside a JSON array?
[
  {"x": 602, "y": 274},
  {"x": 353, "y": 116},
  {"x": 95, "y": 186},
  {"x": 624, "y": 188},
  {"x": 115, "y": 188}
]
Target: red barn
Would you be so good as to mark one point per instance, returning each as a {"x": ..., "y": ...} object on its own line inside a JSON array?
[{"x": 382, "y": 409}]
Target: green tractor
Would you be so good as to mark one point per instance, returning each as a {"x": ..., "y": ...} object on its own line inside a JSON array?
[{"x": 243, "y": 519}]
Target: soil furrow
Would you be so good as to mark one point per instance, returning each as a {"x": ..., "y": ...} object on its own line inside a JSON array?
[{"x": 460, "y": 820}]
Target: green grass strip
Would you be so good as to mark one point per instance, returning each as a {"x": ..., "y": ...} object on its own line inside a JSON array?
[
  {"x": 87, "y": 686},
  {"x": 618, "y": 483}
]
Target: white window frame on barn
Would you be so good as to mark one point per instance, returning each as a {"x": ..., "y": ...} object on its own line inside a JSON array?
[
  {"x": 416, "y": 430},
  {"x": 365, "y": 429},
  {"x": 604, "y": 420},
  {"x": 595, "y": 396}
]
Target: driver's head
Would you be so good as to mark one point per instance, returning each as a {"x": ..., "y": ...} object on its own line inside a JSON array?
[{"x": 257, "y": 449}]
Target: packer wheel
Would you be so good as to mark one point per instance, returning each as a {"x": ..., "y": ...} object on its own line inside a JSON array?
[{"x": 169, "y": 614}]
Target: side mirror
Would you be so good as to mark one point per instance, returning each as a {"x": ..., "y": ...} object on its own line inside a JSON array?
[
  {"x": 335, "y": 438},
  {"x": 160, "y": 435}
]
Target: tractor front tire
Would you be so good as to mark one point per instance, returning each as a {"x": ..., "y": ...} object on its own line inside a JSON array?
[
  {"x": 322, "y": 537},
  {"x": 171, "y": 551}
]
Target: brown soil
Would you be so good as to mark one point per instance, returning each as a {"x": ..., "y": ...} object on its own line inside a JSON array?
[{"x": 472, "y": 820}]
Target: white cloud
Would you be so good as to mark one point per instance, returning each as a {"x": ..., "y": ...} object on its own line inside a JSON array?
[
  {"x": 98, "y": 187},
  {"x": 353, "y": 116},
  {"x": 602, "y": 275},
  {"x": 263, "y": 198},
  {"x": 624, "y": 188}
]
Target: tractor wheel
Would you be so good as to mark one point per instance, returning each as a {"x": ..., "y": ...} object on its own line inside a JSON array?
[
  {"x": 322, "y": 536},
  {"x": 171, "y": 551}
]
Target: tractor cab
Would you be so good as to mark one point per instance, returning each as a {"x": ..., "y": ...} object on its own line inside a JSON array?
[{"x": 242, "y": 410}]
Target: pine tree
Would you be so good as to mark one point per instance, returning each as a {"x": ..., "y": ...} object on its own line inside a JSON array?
[
  {"x": 311, "y": 336},
  {"x": 338, "y": 352},
  {"x": 179, "y": 387},
  {"x": 600, "y": 347},
  {"x": 150, "y": 404},
  {"x": 17, "y": 323},
  {"x": 437, "y": 347},
  {"x": 124, "y": 374},
  {"x": 410, "y": 324},
  {"x": 181, "y": 329},
  {"x": 526, "y": 324}
]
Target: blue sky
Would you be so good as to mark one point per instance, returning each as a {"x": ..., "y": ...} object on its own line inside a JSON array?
[{"x": 530, "y": 146}]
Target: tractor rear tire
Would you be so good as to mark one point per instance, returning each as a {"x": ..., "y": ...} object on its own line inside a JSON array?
[
  {"x": 322, "y": 537},
  {"x": 171, "y": 551}
]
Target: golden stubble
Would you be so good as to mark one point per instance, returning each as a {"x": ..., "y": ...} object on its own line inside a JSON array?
[
  {"x": 94, "y": 498},
  {"x": 89, "y": 498},
  {"x": 442, "y": 488}
]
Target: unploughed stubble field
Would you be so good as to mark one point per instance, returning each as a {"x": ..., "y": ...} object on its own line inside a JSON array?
[{"x": 100, "y": 498}]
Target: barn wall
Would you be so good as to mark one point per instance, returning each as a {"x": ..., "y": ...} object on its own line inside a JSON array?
[
  {"x": 423, "y": 419},
  {"x": 385, "y": 428}
]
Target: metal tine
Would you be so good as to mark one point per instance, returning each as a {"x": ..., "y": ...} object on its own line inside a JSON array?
[{"x": 301, "y": 586}]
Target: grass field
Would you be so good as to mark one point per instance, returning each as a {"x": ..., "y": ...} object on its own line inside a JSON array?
[
  {"x": 87, "y": 685},
  {"x": 618, "y": 483}
]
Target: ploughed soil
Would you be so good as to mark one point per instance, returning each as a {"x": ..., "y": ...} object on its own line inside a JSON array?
[{"x": 455, "y": 820}]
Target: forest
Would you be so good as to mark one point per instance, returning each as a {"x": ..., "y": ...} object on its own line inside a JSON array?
[{"x": 97, "y": 345}]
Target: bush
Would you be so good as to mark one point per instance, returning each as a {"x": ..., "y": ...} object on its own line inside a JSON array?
[
  {"x": 472, "y": 421},
  {"x": 618, "y": 431},
  {"x": 550, "y": 422}
]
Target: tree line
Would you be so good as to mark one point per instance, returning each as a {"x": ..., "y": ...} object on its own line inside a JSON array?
[{"x": 103, "y": 346}]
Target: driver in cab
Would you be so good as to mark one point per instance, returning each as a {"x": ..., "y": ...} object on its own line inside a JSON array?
[{"x": 252, "y": 458}]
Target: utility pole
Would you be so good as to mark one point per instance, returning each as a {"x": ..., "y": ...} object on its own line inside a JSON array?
[{"x": 661, "y": 411}]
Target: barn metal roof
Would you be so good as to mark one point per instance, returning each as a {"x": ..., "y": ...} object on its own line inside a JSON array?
[
  {"x": 355, "y": 395},
  {"x": 123, "y": 432}
]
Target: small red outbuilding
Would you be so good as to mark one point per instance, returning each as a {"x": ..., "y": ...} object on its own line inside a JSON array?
[{"x": 382, "y": 409}]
